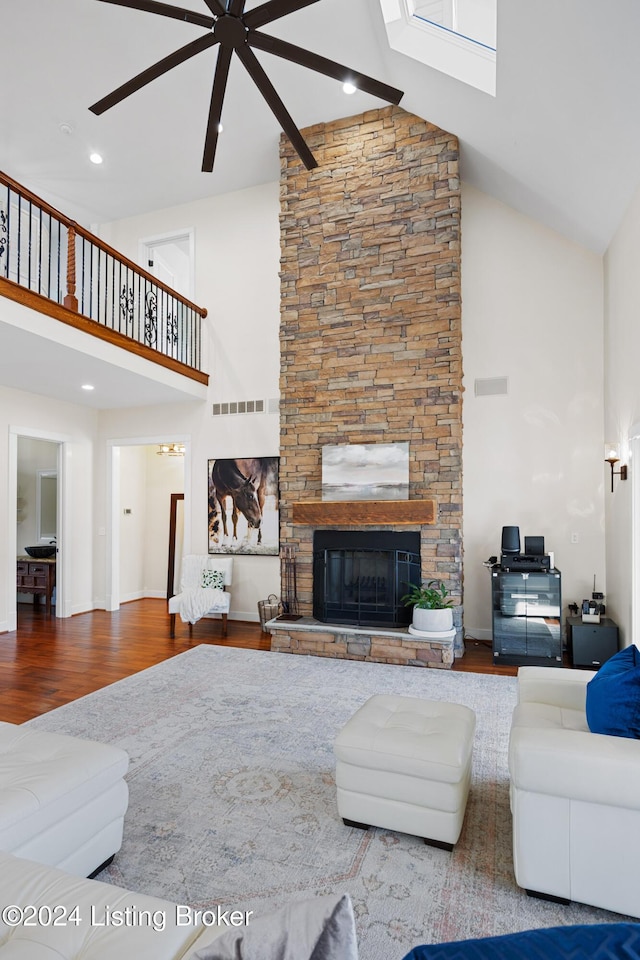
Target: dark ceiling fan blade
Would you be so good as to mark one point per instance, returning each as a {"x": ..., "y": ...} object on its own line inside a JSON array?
[
  {"x": 217, "y": 7},
  {"x": 273, "y": 10},
  {"x": 151, "y": 73},
  {"x": 269, "y": 93},
  {"x": 215, "y": 110},
  {"x": 236, "y": 7},
  {"x": 280, "y": 48},
  {"x": 166, "y": 10}
]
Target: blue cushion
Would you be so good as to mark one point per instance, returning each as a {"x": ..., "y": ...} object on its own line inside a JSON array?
[
  {"x": 613, "y": 695},
  {"x": 598, "y": 941}
]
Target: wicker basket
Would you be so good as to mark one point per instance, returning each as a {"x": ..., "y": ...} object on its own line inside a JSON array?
[{"x": 268, "y": 609}]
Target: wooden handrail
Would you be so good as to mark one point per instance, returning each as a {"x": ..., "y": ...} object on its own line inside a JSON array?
[{"x": 96, "y": 241}]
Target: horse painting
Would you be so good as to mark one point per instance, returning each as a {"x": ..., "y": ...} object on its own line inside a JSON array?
[{"x": 246, "y": 483}]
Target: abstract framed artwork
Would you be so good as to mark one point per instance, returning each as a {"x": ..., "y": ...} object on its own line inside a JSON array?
[
  {"x": 244, "y": 515},
  {"x": 365, "y": 471}
]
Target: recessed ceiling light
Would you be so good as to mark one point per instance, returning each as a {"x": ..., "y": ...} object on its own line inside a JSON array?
[
  {"x": 88, "y": 386},
  {"x": 220, "y": 128},
  {"x": 95, "y": 158},
  {"x": 349, "y": 87}
]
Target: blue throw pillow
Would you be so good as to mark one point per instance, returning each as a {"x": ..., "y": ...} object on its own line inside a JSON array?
[
  {"x": 613, "y": 695},
  {"x": 598, "y": 941}
]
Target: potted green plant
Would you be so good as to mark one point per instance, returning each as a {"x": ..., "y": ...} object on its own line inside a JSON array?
[{"x": 431, "y": 604}]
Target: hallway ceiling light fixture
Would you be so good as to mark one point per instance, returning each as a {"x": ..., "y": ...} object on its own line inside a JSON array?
[
  {"x": 171, "y": 450},
  {"x": 612, "y": 458},
  {"x": 95, "y": 158},
  {"x": 235, "y": 31}
]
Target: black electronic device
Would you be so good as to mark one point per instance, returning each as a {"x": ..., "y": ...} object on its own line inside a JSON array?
[
  {"x": 591, "y": 644},
  {"x": 534, "y": 545},
  {"x": 511, "y": 540},
  {"x": 525, "y": 562}
]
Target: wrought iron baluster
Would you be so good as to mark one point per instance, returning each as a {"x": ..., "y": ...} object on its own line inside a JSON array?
[
  {"x": 4, "y": 243},
  {"x": 18, "y": 251}
]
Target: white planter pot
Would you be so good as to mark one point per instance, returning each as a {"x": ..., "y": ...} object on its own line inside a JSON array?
[{"x": 433, "y": 621}]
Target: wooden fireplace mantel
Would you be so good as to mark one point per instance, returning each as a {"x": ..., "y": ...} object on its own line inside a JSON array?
[{"x": 364, "y": 512}]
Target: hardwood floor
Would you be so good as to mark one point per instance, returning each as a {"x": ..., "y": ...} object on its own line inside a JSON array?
[{"x": 48, "y": 662}]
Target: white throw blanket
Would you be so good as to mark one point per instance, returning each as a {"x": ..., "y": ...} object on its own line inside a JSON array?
[{"x": 196, "y": 601}]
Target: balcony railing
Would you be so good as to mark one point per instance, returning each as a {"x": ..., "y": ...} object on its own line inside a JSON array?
[{"x": 46, "y": 258}]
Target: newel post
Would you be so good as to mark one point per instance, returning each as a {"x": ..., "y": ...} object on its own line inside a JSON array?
[{"x": 71, "y": 301}]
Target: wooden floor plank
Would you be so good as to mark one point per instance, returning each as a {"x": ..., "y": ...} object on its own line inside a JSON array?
[{"x": 47, "y": 662}]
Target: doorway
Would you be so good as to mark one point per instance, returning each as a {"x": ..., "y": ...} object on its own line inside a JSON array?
[
  {"x": 38, "y": 495},
  {"x": 170, "y": 258},
  {"x": 142, "y": 482}
]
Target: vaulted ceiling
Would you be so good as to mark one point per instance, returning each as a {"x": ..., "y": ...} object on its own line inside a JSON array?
[{"x": 560, "y": 141}]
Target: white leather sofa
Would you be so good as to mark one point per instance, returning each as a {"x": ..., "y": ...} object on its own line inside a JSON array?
[
  {"x": 62, "y": 799},
  {"x": 56, "y": 915},
  {"x": 47, "y": 915},
  {"x": 575, "y": 797}
]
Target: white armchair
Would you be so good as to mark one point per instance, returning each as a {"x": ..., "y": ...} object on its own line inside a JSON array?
[
  {"x": 575, "y": 797},
  {"x": 198, "y": 596}
]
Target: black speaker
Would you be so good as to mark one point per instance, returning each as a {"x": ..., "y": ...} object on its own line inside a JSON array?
[
  {"x": 534, "y": 545},
  {"x": 511, "y": 540}
]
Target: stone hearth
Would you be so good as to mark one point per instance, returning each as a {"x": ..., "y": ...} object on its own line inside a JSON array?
[{"x": 375, "y": 644}]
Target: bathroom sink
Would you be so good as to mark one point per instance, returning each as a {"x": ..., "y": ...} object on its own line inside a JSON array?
[{"x": 42, "y": 551}]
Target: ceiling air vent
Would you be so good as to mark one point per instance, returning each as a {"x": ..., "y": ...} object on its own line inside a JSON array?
[
  {"x": 246, "y": 406},
  {"x": 491, "y": 387}
]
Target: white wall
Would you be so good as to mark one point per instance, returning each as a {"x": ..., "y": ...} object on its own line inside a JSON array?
[
  {"x": 532, "y": 306},
  {"x": 622, "y": 407},
  {"x": 237, "y": 244},
  {"x": 132, "y": 522}
]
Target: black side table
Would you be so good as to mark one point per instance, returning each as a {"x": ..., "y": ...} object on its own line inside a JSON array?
[{"x": 591, "y": 644}]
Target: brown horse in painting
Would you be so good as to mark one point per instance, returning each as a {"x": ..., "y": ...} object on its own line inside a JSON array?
[{"x": 248, "y": 483}]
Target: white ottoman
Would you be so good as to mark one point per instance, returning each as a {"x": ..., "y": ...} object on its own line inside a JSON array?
[
  {"x": 404, "y": 764},
  {"x": 62, "y": 799}
]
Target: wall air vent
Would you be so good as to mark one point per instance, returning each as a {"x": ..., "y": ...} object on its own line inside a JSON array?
[
  {"x": 246, "y": 406},
  {"x": 491, "y": 387}
]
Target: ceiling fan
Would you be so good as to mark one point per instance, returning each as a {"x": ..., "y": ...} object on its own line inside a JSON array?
[{"x": 235, "y": 31}]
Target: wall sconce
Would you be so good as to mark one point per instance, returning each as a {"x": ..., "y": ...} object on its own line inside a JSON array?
[
  {"x": 612, "y": 458},
  {"x": 170, "y": 450}
]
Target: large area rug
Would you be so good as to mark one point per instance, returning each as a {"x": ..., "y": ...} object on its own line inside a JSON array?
[{"x": 233, "y": 796}]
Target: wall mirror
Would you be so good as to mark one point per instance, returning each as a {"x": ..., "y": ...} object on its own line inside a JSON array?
[
  {"x": 47, "y": 505},
  {"x": 176, "y": 537}
]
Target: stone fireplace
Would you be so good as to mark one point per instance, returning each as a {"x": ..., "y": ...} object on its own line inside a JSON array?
[{"x": 370, "y": 336}]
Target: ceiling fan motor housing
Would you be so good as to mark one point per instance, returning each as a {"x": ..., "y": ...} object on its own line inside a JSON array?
[{"x": 230, "y": 31}]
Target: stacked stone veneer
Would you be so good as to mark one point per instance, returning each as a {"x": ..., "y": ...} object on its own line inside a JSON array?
[
  {"x": 378, "y": 646},
  {"x": 370, "y": 328}
]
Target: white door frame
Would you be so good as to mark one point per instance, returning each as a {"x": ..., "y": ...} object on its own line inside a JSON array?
[
  {"x": 634, "y": 461},
  {"x": 112, "y": 599},
  {"x": 188, "y": 233},
  {"x": 63, "y": 603}
]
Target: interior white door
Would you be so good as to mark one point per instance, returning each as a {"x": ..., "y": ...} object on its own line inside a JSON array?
[{"x": 170, "y": 259}]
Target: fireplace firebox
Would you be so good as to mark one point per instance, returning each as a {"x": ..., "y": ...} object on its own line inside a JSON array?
[{"x": 360, "y": 577}]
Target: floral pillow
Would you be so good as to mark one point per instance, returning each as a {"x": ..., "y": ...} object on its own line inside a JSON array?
[{"x": 213, "y": 579}]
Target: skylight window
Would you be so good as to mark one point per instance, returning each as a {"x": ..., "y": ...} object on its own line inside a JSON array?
[{"x": 457, "y": 37}]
